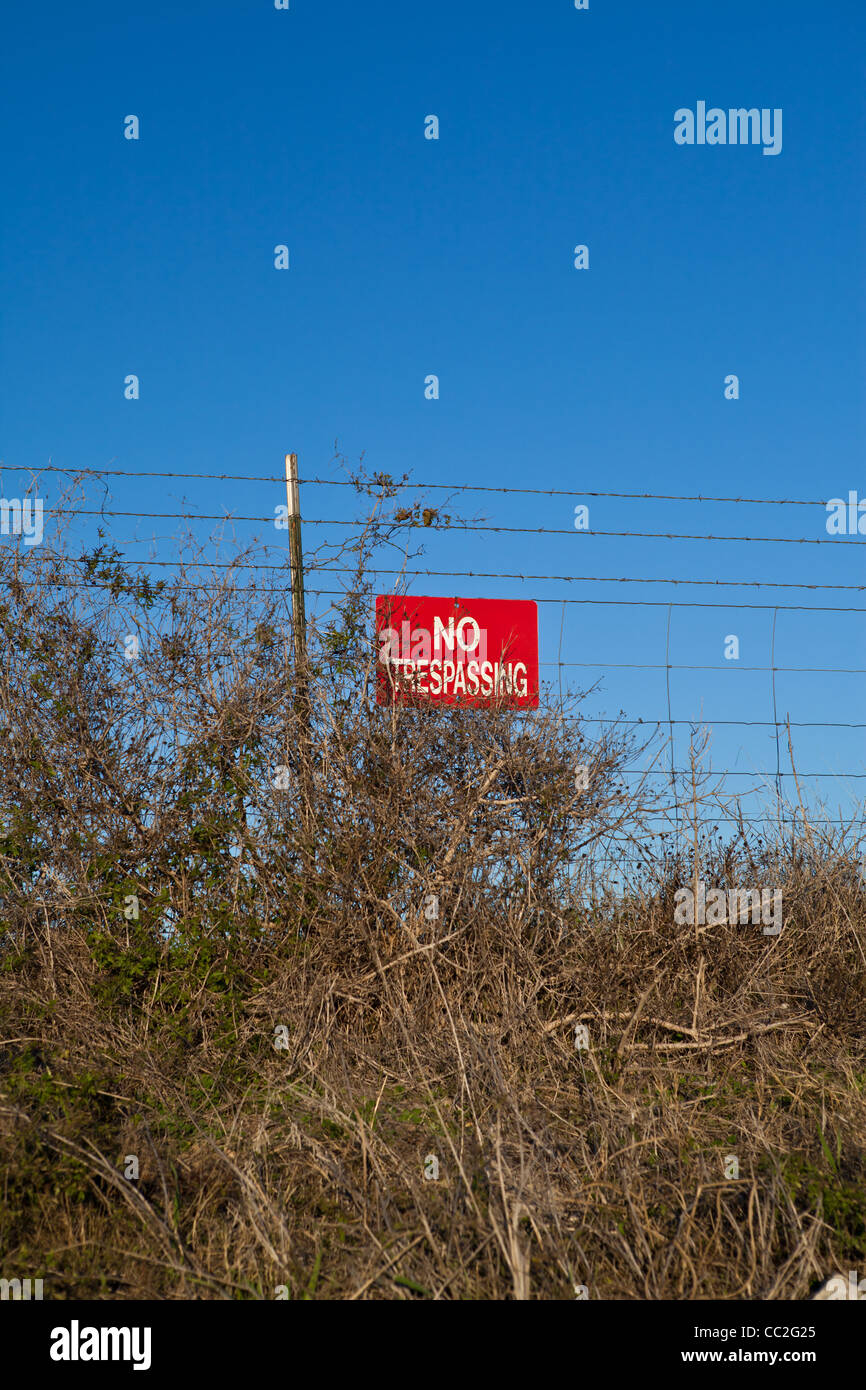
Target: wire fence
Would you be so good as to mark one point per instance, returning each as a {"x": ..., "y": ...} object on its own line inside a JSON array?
[{"x": 433, "y": 524}]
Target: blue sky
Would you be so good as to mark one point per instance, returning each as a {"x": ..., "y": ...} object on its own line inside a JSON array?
[{"x": 454, "y": 257}]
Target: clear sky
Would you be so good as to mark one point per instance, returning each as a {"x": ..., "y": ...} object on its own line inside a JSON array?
[{"x": 410, "y": 257}]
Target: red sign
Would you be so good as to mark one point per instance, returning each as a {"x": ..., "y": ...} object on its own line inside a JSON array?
[{"x": 457, "y": 651}]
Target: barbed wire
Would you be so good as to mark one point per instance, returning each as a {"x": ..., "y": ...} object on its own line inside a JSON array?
[
  {"x": 88, "y": 582},
  {"x": 386, "y": 482},
  {"x": 661, "y": 603},
  {"x": 459, "y": 526},
  {"x": 313, "y": 568},
  {"x": 438, "y": 525},
  {"x": 583, "y": 492},
  {"x": 788, "y": 822},
  {"x": 728, "y": 666},
  {"x": 578, "y": 534},
  {"x": 729, "y": 772},
  {"x": 696, "y": 723},
  {"x": 588, "y": 578}
]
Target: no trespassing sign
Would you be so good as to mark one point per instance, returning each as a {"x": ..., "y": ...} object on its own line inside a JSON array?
[{"x": 457, "y": 651}]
